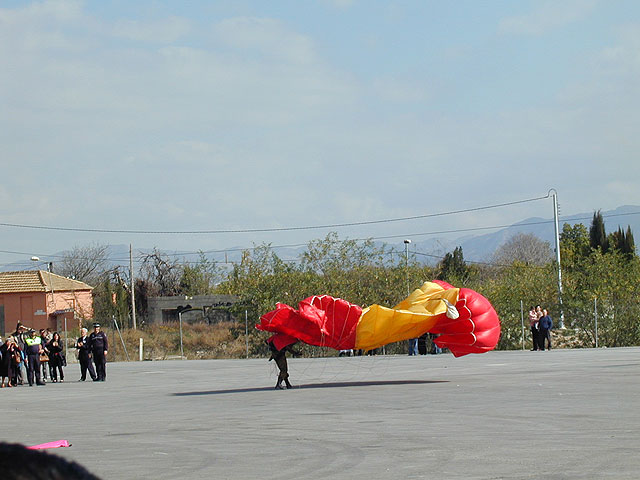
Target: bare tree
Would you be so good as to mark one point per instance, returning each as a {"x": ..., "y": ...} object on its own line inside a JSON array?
[
  {"x": 85, "y": 263},
  {"x": 525, "y": 248},
  {"x": 162, "y": 273}
]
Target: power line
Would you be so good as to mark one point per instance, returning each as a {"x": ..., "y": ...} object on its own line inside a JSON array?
[
  {"x": 295, "y": 245},
  {"x": 276, "y": 229}
]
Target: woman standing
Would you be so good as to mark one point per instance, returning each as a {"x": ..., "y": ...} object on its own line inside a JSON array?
[
  {"x": 55, "y": 357},
  {"x": 8, "y": 363}
]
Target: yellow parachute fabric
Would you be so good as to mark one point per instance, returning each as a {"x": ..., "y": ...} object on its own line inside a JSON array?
[{"x": 412, "y": 317}]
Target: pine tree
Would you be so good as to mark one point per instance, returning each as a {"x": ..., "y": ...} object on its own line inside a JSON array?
[
  {"x": 597, "y": 234},
  {"x": 453, "y": 267},
  {"x": 617, "y": 240},
  {"x": 629, "y": 244}
]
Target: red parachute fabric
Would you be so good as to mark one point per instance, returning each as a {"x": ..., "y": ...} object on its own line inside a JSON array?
[
  {"x": 476, "y": 330},
  {"x": 333, "y": 322},
  {"x": 281, "y": 340},
  {"x": 320, "y": 320}
]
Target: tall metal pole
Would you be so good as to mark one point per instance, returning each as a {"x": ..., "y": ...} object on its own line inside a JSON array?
[
  {"x": 406, "y": 251},
  {"x": 413, "y": 342},
  {"x": 557, "y": 232},
  {"x": 133, "y": 290}
]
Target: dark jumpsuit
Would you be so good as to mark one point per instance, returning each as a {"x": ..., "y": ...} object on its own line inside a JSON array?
[
  {"x": 280, "y": 357},
  {"x": 99, "y": 345}
]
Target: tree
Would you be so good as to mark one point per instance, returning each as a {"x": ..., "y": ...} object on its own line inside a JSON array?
[
  {"x": 453, "y": 268},
  {"x": 629, "y": 244},
  {"x": 574, "y": 242},
  {"x": 597, "y": 234},
  {"x": 86, "y": 264},
  {"x": 525, "y": 248},
  {"x": 623, "y": 242},
  {"x": 332, "y": 254},
  {"x": 517, "y": 283},
  {"x": 613, "y": 281},
  {"x": 162, "y": 273},
  {"x": 200, "y": 278}
]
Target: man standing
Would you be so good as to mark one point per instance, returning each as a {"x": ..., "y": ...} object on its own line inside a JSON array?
[
  {"x": 280, "y": 344},
  {"x": 34, "y": 348},
  {"x": 545, "y": 324},
  {"x": 84, "y": 356},
  {"x": 99, "y": 346}
]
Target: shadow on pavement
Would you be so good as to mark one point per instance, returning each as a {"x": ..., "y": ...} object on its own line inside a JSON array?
[{"x": 312, "y": 385}]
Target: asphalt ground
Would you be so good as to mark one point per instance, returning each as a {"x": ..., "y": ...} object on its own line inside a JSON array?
[{"x": 560, "y": 414}]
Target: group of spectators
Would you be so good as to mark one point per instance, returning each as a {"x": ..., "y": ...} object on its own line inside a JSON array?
[
  {"x": 29, "y": 356},
  {"x": 541, "y": 324}
]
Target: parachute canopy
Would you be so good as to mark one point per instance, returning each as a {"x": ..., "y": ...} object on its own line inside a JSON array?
[{"x": 465, "y": 321}]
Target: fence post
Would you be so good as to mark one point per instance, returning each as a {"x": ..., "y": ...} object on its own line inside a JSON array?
[
  {"x": 595, "y": 314},
  {"x": 246, "y": 331},
  {"x": 522, "y": 320},
  {"x": 141, "y": 348}
]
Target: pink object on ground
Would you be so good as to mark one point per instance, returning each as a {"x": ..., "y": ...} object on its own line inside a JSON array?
[{"x": 56, "y": 444}]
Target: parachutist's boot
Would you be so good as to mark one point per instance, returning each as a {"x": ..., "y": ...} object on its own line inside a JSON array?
[
  {"x": 279, "y": 387},
  {"x": 288, "y": 384}
]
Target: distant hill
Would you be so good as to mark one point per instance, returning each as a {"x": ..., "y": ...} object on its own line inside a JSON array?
[{"x": 479, "y": 248}]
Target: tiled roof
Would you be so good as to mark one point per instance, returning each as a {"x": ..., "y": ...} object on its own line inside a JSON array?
[{"x": 38, "y": 281}]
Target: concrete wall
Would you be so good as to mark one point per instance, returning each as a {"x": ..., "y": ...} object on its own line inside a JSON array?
[{"x": 214, "y": 308}]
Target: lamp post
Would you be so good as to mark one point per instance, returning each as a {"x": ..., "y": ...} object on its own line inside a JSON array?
[
  {"x": 406, "y": 251},
  {"x": 413, "y": 342},
  {"x": 53, "y": 300},
  {"x": 181, "y": 310}
]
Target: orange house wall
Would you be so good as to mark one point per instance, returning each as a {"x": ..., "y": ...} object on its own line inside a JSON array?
[{"x": 80, "y": 300}]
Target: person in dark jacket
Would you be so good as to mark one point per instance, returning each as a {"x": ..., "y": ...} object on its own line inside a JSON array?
[
  {"x": 99, "y": 348},
  {"x": 19, "y": 337},
  {"x": 33, "y": 345},
  {"x": 84, "y": 356},
  {"x": 9, "y": 360},
  {"x": 55, "y": 357},
  {"x": 545, "y": 324},
  {"x": 280, "y": 357}
]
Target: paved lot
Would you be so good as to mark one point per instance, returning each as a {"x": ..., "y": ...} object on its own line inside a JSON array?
[{"x": 563, "y": 414}]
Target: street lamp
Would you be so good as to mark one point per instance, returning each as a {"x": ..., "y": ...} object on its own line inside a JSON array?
[
  {"x": 53, "y": 300},
  {"x": 181, "y": 309},
  {"x": 406, "y": 250},
  {"x": 413, "y": 342}
]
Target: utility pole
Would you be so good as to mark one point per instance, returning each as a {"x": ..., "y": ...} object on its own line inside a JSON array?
[
  {"x": 557, "y": 232},
  {"x": 406, "y": 250},
  {"x": 133, "y": 290}
]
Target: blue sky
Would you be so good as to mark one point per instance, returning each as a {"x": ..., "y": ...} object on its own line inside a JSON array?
[{"x": 185, "y": 116}]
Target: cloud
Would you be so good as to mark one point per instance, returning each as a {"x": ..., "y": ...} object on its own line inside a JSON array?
[
  {"x": 166, "y": 30},
  {"x": 547, "y": 16},
  {"x": 266, "y": 36},
  {"x": 399, "y": 90},
  {"x": 339, "y": 4}
]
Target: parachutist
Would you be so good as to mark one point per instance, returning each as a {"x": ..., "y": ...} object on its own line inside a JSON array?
[{"x": 285, "y": 342}]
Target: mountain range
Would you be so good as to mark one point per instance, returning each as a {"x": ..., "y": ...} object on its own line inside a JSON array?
[{"x": 476, "y": 248}]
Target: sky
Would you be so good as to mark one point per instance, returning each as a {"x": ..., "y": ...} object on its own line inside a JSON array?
[{"x": 244, "y": 115}]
